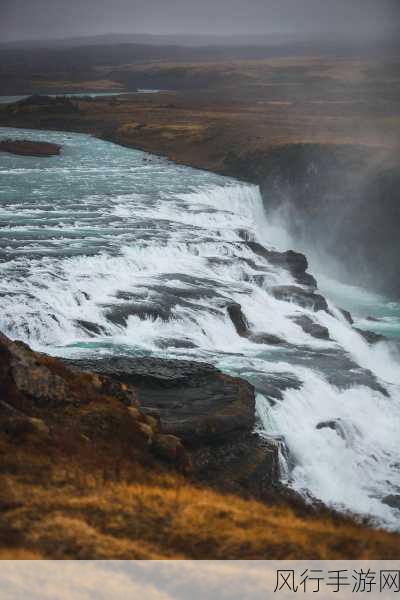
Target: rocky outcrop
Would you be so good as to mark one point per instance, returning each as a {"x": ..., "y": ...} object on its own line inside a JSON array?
[
  {"x": 302, "y": 297},
  {"x": 309, "y": 326},
  {"x": 347, "y": 315},
  {"x": 120, "y": 313},
  {"x": 269, "y": 339},
  {"x": 242, "y": 328},
  {"x": 29, "y": 148},
  {"x": 335, "y": 425},
  {"x": 393, "y": 500},
  {"x": 212, "y": 413},
  {"x": 238, "y": 319},
  {"x": 273, "y": 385},
  {"x": 195, "y": 401},
  {"x": 294, "y": 262},
  {"x": 43, "y": 401},
  {"x": 370, "y": 336}
]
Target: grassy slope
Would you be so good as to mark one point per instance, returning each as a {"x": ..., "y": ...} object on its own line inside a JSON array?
[{"x": 62, "y": 511}]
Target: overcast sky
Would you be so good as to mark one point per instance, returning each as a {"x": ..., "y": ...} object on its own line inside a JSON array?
[{"x": 27, "y": 19}]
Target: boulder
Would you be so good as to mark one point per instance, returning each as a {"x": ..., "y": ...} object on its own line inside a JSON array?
[
  {"x": 267, "y": 338},
  {"x": 168, "y": 446},
  {"x": 272, "y": 385},
  {"x": 309, "y": 326},
  {"x": 120, "y": 313},
  {"x": 238, "y": 319},
  {"x": 294, "y": 262},
  {"x": 242, "y": 328},
  {"x": 347, "y": 315},
  {"x": 370, "y": 336},
  {"x": 302, "y": 297},
  {"x": 392, "y": 500},
  {"x": 335, "y": 425},
  {"x": 90, "y": 328}
]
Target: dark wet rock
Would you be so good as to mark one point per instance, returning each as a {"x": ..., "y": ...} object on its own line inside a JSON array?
[
  {"x": 347, "y": 315},
  {"x": 196, "y": 401},
  {"x": 370, "y": 336},
  {"x": 312, "y": 328},
  {"x": 238, "y": 319},
  {"x": 175, "y": 343},
  {"x": 307, "y": 279},
  {"x": 393, "y": 500},
  {"x": 245, "y": 234},
  {"x": 373, "y": 319},
  {"x": 242, "y": 327},
  {"x": 337, "y": 367},
  {"x": 300, "y": 296},
  {"x": 334, "y": 424},
  {"x": 120, "y": 313},
  {"x": 267, "y": 338},
  {"x": 257, "y": 279},
  {"x": 29, "y": 148},
  {"x": 90, "y": 328},
  {"x": 294, "y": 262},
  {"x": 273, "y": 385},
  {"x": 159, "y": 301},
  {"x": 246, "y": 463},
  {"x": 212, "y": 413}
]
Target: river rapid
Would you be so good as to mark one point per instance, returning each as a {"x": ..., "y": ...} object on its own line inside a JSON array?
[{"x": 111, "y": 251}]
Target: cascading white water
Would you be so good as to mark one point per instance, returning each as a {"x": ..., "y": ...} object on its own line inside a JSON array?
[{"x": 109, "y": 251}]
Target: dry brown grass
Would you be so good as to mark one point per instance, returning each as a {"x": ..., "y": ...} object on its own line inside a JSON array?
[{"x": 62, "y": 512}]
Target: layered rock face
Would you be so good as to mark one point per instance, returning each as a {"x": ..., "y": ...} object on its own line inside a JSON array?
[
  {"x": 212, "y": 413},
  {"x": 184, "y": 414}
]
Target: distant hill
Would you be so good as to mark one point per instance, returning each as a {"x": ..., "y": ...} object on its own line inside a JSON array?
[{"x": 202, "y": 40}]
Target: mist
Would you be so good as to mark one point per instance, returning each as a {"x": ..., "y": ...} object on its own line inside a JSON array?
[
  {"x": 47, "y": 19},
  {"x": 339, "y": 206}
]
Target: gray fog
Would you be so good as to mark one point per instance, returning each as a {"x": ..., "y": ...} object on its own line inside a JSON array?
[{"x": 47, "y": 19}]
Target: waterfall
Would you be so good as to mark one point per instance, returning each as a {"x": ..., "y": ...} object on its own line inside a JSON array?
[{"x": 107, "y": 250}]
